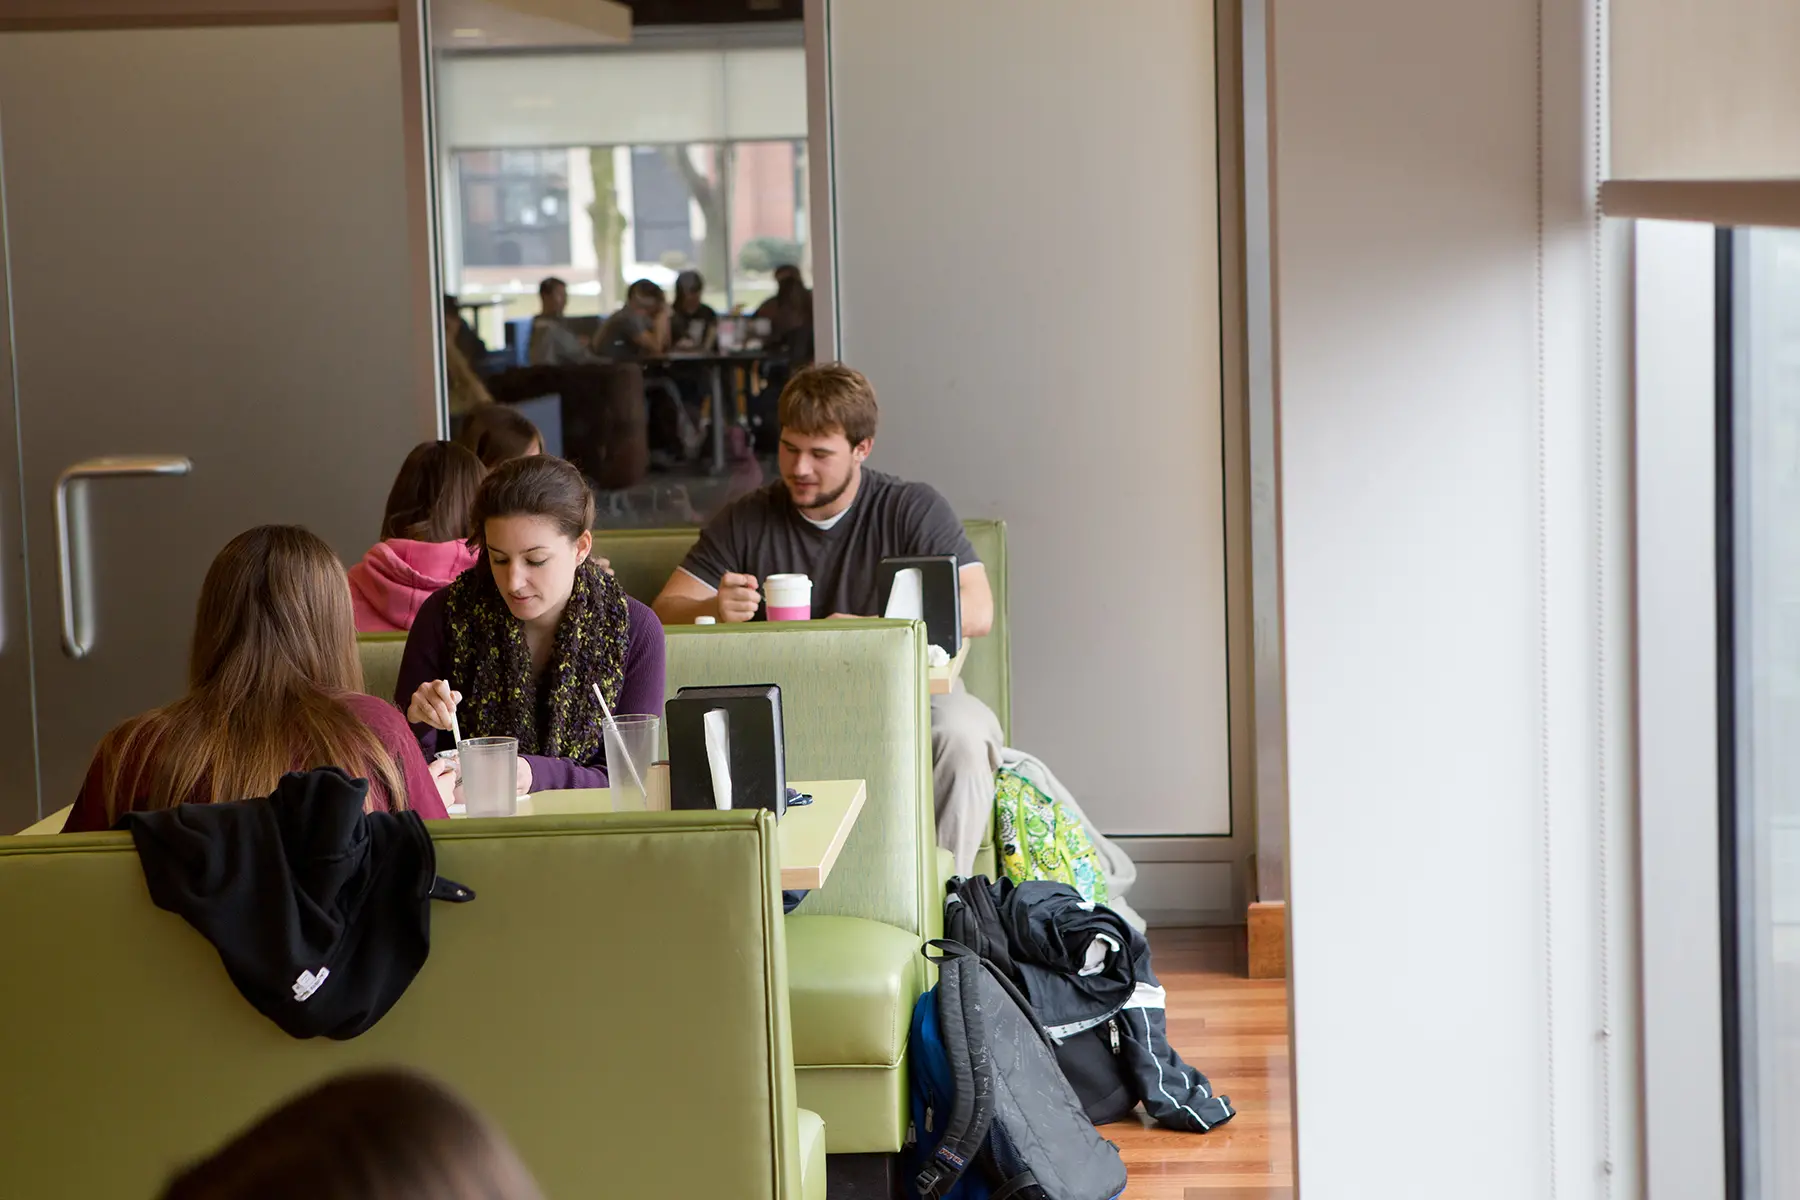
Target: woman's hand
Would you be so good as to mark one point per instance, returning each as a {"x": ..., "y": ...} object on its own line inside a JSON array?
[
  {"x": 434, "y": 704},
  {"x": 524, "y": 778}
]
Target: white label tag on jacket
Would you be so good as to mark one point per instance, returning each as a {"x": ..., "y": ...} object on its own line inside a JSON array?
[{"x": 309, "y": 982}]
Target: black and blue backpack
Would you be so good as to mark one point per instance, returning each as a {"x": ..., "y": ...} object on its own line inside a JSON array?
[{"x": 993, "y": 1117}]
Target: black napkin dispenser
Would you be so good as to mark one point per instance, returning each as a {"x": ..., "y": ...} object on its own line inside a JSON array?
[
  {"x": 757, "y": 753},
  {"x": 940, "y": 589}
]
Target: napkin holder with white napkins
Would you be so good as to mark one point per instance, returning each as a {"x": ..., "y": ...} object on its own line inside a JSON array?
[
  {"x": 924, "y": 588},
  {"x": 726, "y": 748}
]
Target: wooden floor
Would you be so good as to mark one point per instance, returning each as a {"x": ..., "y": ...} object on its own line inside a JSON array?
[{"x": 1235, "y": 1031}]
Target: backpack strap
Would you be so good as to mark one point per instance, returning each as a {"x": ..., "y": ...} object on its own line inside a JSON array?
[{"x": 965, "y": 1049}]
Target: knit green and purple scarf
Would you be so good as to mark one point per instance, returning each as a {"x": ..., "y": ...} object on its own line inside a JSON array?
[{"x": 491, "y": 666}]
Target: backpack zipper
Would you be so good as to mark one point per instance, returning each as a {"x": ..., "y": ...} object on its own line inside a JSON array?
[{"x": 1112, "y": 1033}]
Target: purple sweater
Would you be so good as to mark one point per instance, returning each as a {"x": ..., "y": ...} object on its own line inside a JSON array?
[{"x": 427, "y": 657}]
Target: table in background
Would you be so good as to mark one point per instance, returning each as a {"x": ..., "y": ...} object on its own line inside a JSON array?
[
  {"x": 943, "y": 679},
  {"x": 714, "y": 365}
]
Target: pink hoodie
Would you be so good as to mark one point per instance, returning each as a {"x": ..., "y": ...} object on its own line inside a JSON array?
[{"x": 396, "y": 576}]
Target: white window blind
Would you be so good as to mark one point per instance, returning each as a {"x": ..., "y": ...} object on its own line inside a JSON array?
[{"x": 499, "y": 101}]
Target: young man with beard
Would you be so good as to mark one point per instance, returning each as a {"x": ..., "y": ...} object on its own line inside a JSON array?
[{"x": 832, "y": 519}]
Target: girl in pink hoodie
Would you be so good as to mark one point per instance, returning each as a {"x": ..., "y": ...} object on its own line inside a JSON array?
[{"x": 424, "y": 536}]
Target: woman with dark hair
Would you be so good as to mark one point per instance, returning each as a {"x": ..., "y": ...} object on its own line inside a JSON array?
[
  {"x": 693, "y": 325},
  {"x": 515, "y": 646},
  {"x": 274, "y": 685},
  {"x": 424, "y": 537},
  {"x": 375, "y": 1135},
  {"x": 498, "y": 433}
]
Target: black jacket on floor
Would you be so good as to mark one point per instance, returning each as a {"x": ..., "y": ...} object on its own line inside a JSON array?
[
  {"x": 320, "y": 912},
  {"x": 1110, "y": 995}
]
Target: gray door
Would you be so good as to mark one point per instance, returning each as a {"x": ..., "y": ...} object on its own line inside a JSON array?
[{"x": 210, "y": 248}]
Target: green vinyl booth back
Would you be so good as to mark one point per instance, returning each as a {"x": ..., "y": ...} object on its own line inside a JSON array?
[
  {"x": 380, "y": 654},
  {"x": 626, "y": 1048},
  {"x": 855, "y": 705},
  {"x": 643, "y": 560}
]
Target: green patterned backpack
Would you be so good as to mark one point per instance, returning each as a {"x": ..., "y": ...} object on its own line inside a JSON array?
[{"x": 1039, "y": 839}]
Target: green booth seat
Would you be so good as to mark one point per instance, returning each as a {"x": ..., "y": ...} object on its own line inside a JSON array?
[
  {"x": 626, "y": 1048},
  {"x": 643, "y": 560},
  {"x": 855, "y": 705}
]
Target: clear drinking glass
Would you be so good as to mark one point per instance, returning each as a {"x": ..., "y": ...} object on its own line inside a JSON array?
[
  {"x": 631, "y": 746},
  {"x": 489, "y": 776}
]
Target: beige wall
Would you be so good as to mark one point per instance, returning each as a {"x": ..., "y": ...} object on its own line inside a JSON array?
[{"x": 1027, "y": 266}]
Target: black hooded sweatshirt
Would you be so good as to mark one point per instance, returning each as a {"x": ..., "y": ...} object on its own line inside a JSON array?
[{"x": 321, "y": 912}]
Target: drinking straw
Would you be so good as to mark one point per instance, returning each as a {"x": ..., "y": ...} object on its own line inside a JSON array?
[{"x": 623, "y": 749}]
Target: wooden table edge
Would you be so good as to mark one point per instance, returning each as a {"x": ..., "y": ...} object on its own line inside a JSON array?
[
  {"x": 943, "y": 679},
  {"x": 811, "y": 878}
]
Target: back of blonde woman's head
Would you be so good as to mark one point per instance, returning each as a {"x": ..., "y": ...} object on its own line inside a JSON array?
[{"x": 377, "y": 1135}]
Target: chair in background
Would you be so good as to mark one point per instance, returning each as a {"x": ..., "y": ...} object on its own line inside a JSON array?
[{"x": 605, "y": 429}]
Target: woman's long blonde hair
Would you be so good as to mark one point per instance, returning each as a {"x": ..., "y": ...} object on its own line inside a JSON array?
[{"x": 273, "y": 659}]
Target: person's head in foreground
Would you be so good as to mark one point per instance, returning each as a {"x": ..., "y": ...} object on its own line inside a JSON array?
[
  {"x": 498, "y": 433},
  {"x": 532, "y": 519},
  {"x": 828, "y": 419},
  {"x": 375, "y": 1135},
  {"x": 433, "y": 494},
  {"x": 273, "y": 662}
]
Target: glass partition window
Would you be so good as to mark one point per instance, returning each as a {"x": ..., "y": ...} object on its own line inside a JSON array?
[
  {"x": 601, "y": 217},
  {"x": 1763, "y": 819},
  {"x": 602, "y": 168}
]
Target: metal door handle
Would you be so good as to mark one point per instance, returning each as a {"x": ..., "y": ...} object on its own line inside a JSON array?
[{"x": 73, "y": 644}]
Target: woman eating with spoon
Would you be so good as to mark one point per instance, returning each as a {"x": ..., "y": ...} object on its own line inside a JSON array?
[{"x": 516, "y": 646}]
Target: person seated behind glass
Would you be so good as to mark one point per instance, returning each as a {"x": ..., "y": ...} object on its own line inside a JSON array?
[
  {"x": 552, "y": 343},
  {"x": 457, "y": 332},
  {"x": 693, "y": 325},
  {"x": 832, "y": 519},
  {"x": 424, "y": 537},
  {"x": 499, "y": 433},
  {"x": 274, "y": 685},
  {"x": 515, "y": 645},
  {"x": 372, "y": 1135},
  {"x": 640, "y": 329},
  {"x": 790, "y": 343},
  {"x": 790, "y": 310}
]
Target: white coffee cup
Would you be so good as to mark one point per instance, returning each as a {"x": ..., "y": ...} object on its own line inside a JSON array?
[{"x": 789, "y": 597}]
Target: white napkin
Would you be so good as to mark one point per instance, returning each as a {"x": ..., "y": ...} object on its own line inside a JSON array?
[
  {"x": 718, "y": 755},
  {"x": 906, "y": 602}
]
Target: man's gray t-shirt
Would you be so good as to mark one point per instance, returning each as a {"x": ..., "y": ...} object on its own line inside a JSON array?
[{"x": 763, "y": 534}]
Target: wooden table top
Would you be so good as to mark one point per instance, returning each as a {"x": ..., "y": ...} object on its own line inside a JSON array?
[{"x": 811, "y": 836}]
